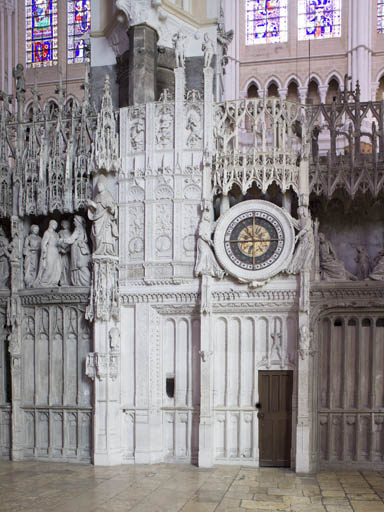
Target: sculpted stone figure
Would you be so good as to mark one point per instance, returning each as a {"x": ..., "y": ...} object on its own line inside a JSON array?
[
  {"x": 179, "y": 43},
  {"x": 65, "y": 278},
  {"x": 103, "y": 213},
  {"x": 363, "y": 263},
  {"x": 378, "y": 270},
  {"x": 331, "y": 268},
  {"x": 50, "y": 260},
  {"x": 206, "y": 263},
  {"x": 80, "y": 254},
  {"x": 208, "y": 50},
  {"x": 18, "y": 75},
  {"x": 32, "y": 248},
  {"x": 305, "y": 242},
  {"x": 4, "y": 259},
  {"x": 305, "y": 342}
]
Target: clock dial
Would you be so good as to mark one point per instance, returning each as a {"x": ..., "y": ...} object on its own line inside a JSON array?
[{"x": 254, "y": 240}]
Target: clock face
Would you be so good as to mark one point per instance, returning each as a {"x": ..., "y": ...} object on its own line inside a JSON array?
[{"x": 254, "y": 240}]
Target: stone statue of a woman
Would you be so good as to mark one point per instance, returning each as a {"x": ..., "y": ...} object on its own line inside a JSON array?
[
  {"x": 103, "y": 214},
  {"x": 50, "y": 260},
  {"x": 31, "y": 251},
  {"x": 80, "y": 254},
  {"x": 331, "y": 267},
  {"x": 305, "y": 242},
  {"x": 206, "y": 263}
]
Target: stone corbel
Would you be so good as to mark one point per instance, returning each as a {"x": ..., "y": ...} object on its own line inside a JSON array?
[{"x": 102, "y": 365}]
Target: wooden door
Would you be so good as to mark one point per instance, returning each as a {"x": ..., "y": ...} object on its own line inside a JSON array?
[{"x": 275, "y": 417}]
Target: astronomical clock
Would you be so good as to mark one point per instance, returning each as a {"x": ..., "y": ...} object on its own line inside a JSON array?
[{"x": 254, "y": 240}]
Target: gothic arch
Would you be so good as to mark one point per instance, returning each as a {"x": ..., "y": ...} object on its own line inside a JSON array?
[
  {"x": 313, "y": 77},
  {"x": 272, "y": 79},
  {"x": 292, "y": 78},
  {"x": 251, "y": 81},
  {"x": 334, "y": 75}
]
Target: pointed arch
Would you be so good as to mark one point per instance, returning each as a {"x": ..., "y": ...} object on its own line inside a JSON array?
[
  {"x": 334, "y": 75},
  {"x": 252, "y": 81},
  {"x": 271, "y": 79},
  {"x": 313, "y": 77},
  {"x": 292, "y": 78}
]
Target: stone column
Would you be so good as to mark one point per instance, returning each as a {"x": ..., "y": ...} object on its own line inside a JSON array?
[
  {"x": 360, "y": 46},
  {"x": 14, "y": 319},
  {"x": 142, "y": 64},
  {"x": 206, "y": 428},
  {"x": 105, "y": 365},
  {"x": 179, "y": 113},
  {"x": 283, "y": 91},
  {"x": 304, "y": 428},
  {"x": 323, "y": 89},
  {"x": 303, "y": 93}
]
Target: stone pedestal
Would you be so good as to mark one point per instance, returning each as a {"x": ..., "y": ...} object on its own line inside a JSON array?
[{"x": 142, "y": 64}]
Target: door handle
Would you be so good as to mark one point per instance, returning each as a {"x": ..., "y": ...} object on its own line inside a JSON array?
[{"x": 260, "y": 415}]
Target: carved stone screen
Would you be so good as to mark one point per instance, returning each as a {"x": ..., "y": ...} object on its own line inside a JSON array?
[
  {"x": 56, "y": 394},
  {"x": 5, "y": 384},
  {"x": 351, "y": 390}
]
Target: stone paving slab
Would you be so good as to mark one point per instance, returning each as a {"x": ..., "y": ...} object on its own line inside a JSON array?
[{"x": 47, "y": 487}]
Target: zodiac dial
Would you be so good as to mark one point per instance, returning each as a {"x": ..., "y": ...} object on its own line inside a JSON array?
[{"x": 254, "y": 240}]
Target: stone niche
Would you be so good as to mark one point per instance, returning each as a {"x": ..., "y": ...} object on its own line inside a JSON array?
[{"x": 348, "y": 224}]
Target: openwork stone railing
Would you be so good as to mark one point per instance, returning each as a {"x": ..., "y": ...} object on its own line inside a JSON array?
[
  {"x": 257, "y": 141},
  {"x": 347, "y": 145}
]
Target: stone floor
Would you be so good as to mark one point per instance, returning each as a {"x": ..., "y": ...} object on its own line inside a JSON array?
[{"x": 43, "y": 487}]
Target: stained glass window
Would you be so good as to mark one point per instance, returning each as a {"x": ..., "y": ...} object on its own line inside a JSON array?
[
  {"x": 41, "y": 36},
  {"x": 79, "y": 25},
  {"x": 319, "y": 19},
  {"x": 380, "y": 16},
  {"x": 266, "y": 21}
]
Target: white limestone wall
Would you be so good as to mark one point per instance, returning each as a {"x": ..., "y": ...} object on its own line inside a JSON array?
[
  {"x": 243, "y": 346},
  {"x": 156, "y": 425}
]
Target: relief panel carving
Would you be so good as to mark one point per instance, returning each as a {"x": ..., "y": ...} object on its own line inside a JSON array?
[
  {"x": 163, "y": 230},
  {"x": 55, "y": 392}
]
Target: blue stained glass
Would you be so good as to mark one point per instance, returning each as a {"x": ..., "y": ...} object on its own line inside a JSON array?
[
  {"x": 78, "y": 27},
  {"x": 380, "y": 16},
  {"x": 266, "y": 21},
  {"x": 41, "y": 36},
  {"x": 319, "y": 19}
]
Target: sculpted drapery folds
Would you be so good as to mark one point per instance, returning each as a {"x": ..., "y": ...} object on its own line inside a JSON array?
[
  {"x": 4, "y": 259},
  {"x": 103, "y": 214},
  {"x": 331, "y": 267},
  {"x": 206, "y": 263},
  {"x": 80, "y": 254},
  {"x": 305, "y": 242},
  {"x": 32, "y": 248},
  {"x": 65, "y": 279},
  {"x": 50, "y": 261}
]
